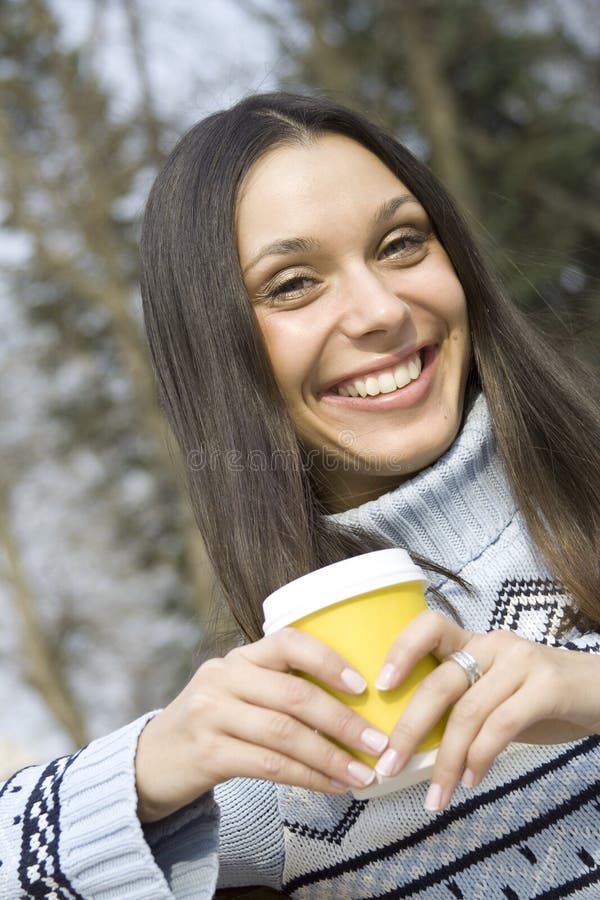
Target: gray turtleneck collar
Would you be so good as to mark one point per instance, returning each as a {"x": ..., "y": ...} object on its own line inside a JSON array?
[{"x": 452, "y": 511}]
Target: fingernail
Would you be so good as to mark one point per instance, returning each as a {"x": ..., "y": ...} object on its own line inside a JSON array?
[
  {"x": 339, "y": 785},
  {"x": 386, "y": 677},
  {"x": 386, "y": 765},
  {"x": 433, "y": 798},
  {"x": 361, "y": 772},
  {"x": 353, "y": 681},
  {"x": 374, "y": 740},
  {"x": 468, "y": 778}
]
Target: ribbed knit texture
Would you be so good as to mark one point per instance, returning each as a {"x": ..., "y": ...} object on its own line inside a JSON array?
[
  {"x": 70, "y": 830},
  {"x": 251, "y": 847},
  {"x": 531, "y": 830}
]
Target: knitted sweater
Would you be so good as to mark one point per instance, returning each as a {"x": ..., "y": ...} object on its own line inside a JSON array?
[{"x": 530, "y": 830}]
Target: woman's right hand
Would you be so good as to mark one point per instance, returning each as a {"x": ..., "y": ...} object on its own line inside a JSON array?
[{"x": 248, "y": 714}]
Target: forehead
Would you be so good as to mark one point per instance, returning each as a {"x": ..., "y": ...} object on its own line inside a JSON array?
[{"x": 301, "y": 186}]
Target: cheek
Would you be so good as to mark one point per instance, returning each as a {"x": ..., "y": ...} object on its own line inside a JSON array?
[
  {"x": 440, "y": 293},
  {"x": 456, "y": 303},
  {"x": 454, "y": 310},
  {"x": 462, "y": 338},
  {"x": 284, "y": 348},
  {"x": 463, "y": 328}
]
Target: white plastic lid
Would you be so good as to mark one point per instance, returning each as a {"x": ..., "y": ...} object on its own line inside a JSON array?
[{"x": 338, "y": 582}]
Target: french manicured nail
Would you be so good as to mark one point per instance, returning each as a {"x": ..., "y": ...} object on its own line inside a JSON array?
[
  {"x": 387, "y": 764},
  {"x": 353, "y": 681},
  {"x": 386, "y": 677},
  {"x": 468, "y": 778},
  {"x": 433, "y": 798},
  {"x": 374, "y": 740},
  {"x": 361, "y": 772}
]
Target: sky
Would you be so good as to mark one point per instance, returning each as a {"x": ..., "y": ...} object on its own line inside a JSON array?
[{"x": 219, "y": 42}]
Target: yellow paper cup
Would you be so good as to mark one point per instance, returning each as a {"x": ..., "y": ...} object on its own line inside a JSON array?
[{"x": 358, "y": 607}]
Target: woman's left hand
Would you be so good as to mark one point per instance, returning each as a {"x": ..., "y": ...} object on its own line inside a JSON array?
[{"x": 527, "y": 692}]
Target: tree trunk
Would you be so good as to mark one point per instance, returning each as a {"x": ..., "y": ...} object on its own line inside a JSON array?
[{"x": 436, "y": 106}]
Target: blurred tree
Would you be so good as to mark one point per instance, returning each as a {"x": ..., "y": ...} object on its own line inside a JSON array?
[
  {"x": 500, "y": 97},
  {"x": 39, "y": 653},
  {"x": 72, "y": 182}
]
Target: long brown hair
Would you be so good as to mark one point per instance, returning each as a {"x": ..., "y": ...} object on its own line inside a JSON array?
[{"x": 255, "y": 502}]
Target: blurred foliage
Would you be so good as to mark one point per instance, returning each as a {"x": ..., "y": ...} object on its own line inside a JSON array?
[
  {"x": 500, "y": 97},
  {"x": 73, "y": 180}
]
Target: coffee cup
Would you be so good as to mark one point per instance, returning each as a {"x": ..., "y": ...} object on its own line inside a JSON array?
[{"x": 358, "y": 607}]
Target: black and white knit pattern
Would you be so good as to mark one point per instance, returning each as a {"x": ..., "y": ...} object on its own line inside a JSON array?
[
  {"x": 40, "y": 874},
  {"x": 533, "y": 607},
  {"x": 533, "y": 833}
]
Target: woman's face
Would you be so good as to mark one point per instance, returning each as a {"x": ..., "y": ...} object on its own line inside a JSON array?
[{"x": 364, "y": 319}]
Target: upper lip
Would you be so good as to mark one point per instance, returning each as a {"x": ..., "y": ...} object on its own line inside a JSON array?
[{"x": 377, "y": 365}]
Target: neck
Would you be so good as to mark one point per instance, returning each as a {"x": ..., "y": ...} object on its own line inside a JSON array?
[
  {"x": 450, "y": 511},
  {"x": 340, "y": 496}
]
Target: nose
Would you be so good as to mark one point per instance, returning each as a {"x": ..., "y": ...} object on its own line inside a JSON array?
[{"x": 369, "y": 306}]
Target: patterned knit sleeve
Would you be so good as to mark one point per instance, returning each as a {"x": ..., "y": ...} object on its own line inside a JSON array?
[{"x": 69, "y": 830}]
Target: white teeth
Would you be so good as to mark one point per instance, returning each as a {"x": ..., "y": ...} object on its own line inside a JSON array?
[
  {"x": 414, "y": 367},
  {"x": 387, "y": 383},
  {"x": 402, "y": 376},
  {"x": 383, "y": 382}
]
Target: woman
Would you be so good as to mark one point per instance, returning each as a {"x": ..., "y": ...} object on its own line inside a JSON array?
[{"x": 343, "y": 374}]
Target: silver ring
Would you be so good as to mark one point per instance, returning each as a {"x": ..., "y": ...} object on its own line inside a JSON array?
[{"x": 468, "y": 664}]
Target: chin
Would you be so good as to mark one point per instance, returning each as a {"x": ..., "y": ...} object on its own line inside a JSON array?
[{"x": 407, "y": 460}]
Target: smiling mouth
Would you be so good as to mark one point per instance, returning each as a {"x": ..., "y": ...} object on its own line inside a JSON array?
[{"x": 383, "y": 381}]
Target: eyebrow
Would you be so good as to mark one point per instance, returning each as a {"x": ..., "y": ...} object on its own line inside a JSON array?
[
  {"x": 387, "y": 209},
  {"x": 283, "y": 247},
  {"x": 288, "y": 246}
]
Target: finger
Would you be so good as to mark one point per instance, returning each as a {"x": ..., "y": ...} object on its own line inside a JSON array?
[
  {"x": 295, "y": 741},
  {"x": 310, "y": 704},
  {"x": 468, "y": 718},
  {"x": 515, "y": 668},
  {"x": 506, "y": 723},
  {"x": 429, "y": 632},
  {"x": 291, "y": 649},
  {"x": 245, "y": 760},
  {"x": 431, "y": 699},
  {"x": 507, "y": 701}
]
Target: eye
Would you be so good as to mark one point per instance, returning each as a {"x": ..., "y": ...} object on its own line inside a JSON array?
[
  {"x": 291, "y": 286},
  {"x": 406, "y": 244},
  {"x": 285, "y": 290}
]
